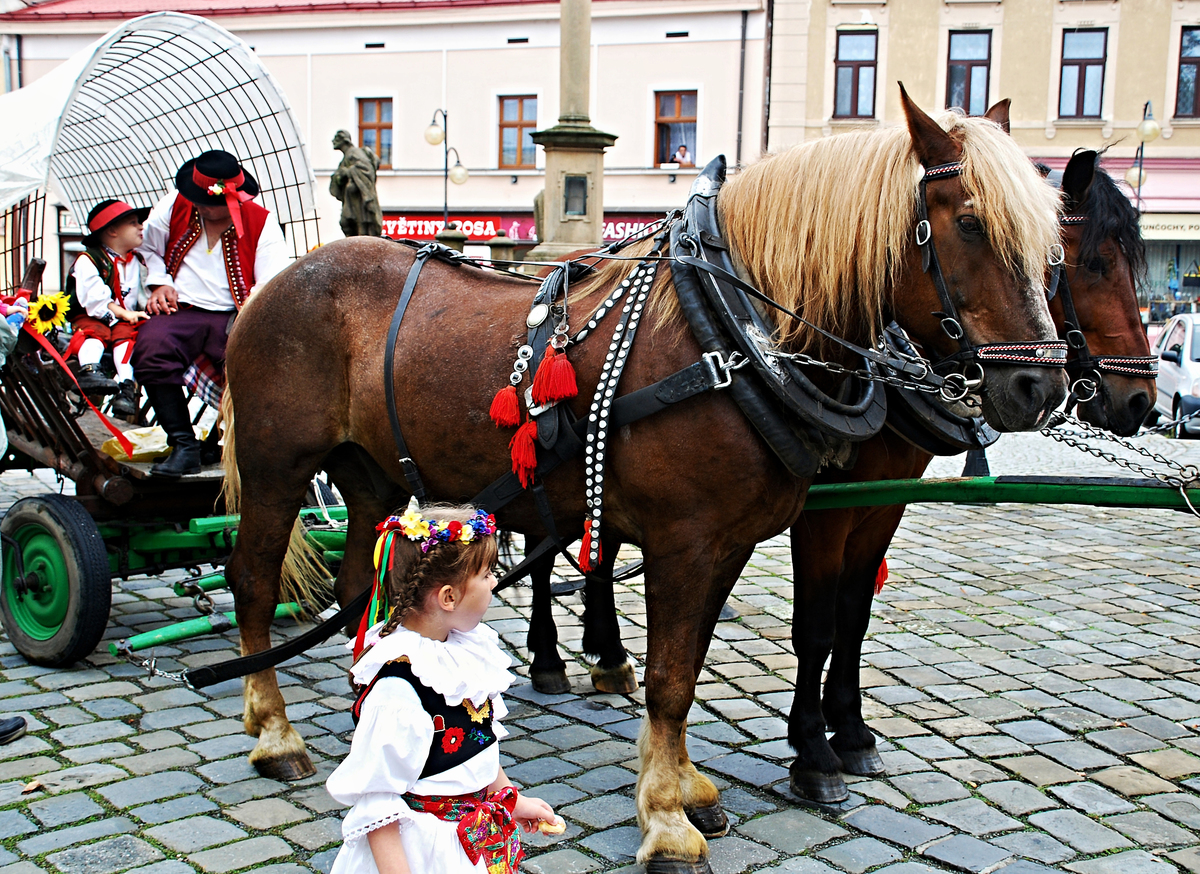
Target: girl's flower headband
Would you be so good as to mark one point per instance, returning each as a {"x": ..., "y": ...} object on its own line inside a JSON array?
[{"x": 433, "y": 531}]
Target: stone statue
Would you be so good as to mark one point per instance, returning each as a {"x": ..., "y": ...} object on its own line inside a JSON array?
[{"x": 353, "y": 183}]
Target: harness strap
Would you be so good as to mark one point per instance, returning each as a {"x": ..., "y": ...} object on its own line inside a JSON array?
[{"x": 415, "y": 483}]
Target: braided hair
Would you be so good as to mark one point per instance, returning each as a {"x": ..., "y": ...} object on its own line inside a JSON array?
[{"x": 415, "y": 574}]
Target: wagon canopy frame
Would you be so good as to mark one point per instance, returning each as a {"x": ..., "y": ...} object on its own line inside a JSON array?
[{"x": 118, "y": 119}]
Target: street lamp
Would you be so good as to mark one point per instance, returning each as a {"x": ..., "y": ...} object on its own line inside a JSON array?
[
  {"x": 435, "y": 134},
  {"x": 1147, "y": 132}
]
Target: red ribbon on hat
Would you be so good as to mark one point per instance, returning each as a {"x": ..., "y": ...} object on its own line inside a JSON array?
[
  {"x": 109, "y": 213},
  {"x": 230, "y": 188}
]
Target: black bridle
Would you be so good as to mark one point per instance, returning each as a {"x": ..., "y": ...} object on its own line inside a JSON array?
[
  {"x": 1040, "y": 353},
  {"x": 1086, "y": 370}
]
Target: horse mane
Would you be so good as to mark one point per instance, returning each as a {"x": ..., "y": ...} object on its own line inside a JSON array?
[
  {"x": 824, "y": 227},
  {"x": 1111, "y": 216}
]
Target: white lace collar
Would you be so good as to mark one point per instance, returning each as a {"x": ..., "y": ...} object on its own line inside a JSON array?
[{"x": 466, "y": 665}]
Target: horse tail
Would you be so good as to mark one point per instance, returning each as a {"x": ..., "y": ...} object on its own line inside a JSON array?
[
  {"x": 304, "y": 578},
  {"x": 232, "y": 487}
]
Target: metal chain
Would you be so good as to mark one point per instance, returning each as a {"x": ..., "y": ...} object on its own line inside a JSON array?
[
  {"x": 1167, "y": 426},
  {"x": 151, "y": 665},
  {"x": 1183, "y": 476},
  {"x": 861, "y": 373}
]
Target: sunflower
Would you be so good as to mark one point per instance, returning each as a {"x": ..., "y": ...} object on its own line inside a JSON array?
[{"x": 48, "y": 311}]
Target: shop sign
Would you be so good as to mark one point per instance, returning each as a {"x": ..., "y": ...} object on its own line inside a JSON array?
[
  {"x": 1171, "y": 226},
  {"x": 516, "y": 226}
]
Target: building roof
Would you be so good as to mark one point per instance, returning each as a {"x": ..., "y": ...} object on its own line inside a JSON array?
[{"x": 118, "y": 10}]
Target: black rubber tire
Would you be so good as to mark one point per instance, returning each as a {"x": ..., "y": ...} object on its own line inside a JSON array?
[
  {"x": 1176, "y": 432},
  {"x": 87, "y": 579}
]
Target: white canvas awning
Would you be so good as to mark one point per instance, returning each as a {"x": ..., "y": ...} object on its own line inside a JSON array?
[{"x": 120, "y": 117}]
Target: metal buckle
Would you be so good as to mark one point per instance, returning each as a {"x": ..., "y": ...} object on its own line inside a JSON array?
[
  {"x": 952, "y": 327},
  {"x": 722, "y": 370},
  {"x": 954, "y": 387},
  {"x": 1061, "y": 254},
  {"x": 1075, "y": 339},
  {"x": 924, "y": 232}
]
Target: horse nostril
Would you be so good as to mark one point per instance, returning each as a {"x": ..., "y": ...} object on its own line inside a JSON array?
[
  {"x": 1139, "y": 406},
  {"x": 1029, "y": 391}
]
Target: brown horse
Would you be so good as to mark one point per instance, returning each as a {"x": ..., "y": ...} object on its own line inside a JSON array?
[
  {"x": 837, "y": 553},
  {"x": 826, "y": 228}
]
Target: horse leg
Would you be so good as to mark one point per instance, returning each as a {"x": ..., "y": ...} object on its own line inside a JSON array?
[
  {"x": 668, "y": 783},
  {"x": 852, "y": 740},
  {"x": 818, "y": 544},
  {"x": 612, "y": 671},
  {"x": 253, "y": 572},
  {"x": 548, "y": 673}
]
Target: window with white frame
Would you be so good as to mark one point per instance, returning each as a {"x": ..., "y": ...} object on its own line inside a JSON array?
[
  {"x": 1081, "y": 91},
  {"x": 968, "y": 69},
  {"x": 1186, "y": 103},
  {"x": 854, "y": 74}
]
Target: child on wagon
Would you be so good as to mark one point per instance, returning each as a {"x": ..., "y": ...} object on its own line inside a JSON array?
[
  {"x": 423, "y": 772},
  {"x": 108, "y": 278}
]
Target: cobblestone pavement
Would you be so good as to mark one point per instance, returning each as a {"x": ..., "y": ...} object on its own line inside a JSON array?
[{"x": 1031, "y": 673}]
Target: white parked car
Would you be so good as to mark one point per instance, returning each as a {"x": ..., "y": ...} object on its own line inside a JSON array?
[{"x": 1178, "y": 350}]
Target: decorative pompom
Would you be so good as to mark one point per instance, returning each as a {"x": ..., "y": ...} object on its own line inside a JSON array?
[
  {"x": 881, "y": 576},
  {"x": 585, "y": 548},
  {"x": 555, "y": 378},
  {"x": 524, "y": 453},
  {"x": 506, "y": 408}
]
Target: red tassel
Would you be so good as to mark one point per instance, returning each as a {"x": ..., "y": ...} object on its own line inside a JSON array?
[
  {"x": 881, "y": 576},
  {"x": 524, "y": 453},
  {"x": 585, "y": 548},
  {"x": 506, "y": 408},
  {"x": 555, "y": 378}
]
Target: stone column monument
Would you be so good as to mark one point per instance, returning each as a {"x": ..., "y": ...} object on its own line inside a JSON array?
[{"x": 573, "y": 211}]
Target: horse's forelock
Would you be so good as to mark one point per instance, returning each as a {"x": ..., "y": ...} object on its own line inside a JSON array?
[{"x": 1019, "y": 211}]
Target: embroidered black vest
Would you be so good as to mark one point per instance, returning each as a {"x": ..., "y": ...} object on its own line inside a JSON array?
[{"x": 460, "y": 731}]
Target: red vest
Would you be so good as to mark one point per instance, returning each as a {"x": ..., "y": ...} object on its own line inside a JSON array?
[{"x": 239, "y": 253}]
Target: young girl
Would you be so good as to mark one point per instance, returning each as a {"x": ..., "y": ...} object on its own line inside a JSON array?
[
  {"x": 423, "y": 772},
  {"x": 108, "y": 278}
]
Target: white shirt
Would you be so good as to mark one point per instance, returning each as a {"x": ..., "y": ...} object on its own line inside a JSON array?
[
  {"x": 95, "y": 295},
  {"x": 202, "y": 280}
]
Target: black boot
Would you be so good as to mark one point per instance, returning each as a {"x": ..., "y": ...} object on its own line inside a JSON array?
[
  {"x": 125, "y": 404},
  {"x": 171, "y": 409},
  {"x": 210, "y": 449},
  {"x": 92, "y": 381}
]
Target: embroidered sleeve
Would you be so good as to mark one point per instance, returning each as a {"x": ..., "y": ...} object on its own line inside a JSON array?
[
  {"x": 94, "y": 296},
  {"x": 154, "y": 242}
]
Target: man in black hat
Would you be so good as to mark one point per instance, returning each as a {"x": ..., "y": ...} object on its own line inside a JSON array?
[{"x": 207, "y": 247}]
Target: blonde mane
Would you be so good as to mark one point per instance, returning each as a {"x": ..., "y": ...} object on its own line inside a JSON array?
[{"x": 824, "y": 227}]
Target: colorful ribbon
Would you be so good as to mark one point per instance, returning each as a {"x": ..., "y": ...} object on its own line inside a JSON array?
[
  {"x": 230, "y": 189},
  {"x": 378, "y": 609},
  {"x": 486, "y": 828}
]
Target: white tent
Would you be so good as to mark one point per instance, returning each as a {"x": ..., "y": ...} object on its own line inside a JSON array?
[{"x": 120, "y": 117}]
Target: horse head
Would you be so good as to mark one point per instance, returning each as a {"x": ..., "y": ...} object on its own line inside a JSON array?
[
  {"x": 991, "y": 227},
  {"x": 1104, "y": 257}
]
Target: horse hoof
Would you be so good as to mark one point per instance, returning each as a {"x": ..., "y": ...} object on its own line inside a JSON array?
[
  {"x": 550, "y": 682},
  {"x": 286, "y": 768},
  {"x": 709, "y": 821},
  {"x": 862, "y": 763},
  {"x": 819, "y": 787},
  {"x": 662, "y": 865},
  {"x": 620, "y": 680}
]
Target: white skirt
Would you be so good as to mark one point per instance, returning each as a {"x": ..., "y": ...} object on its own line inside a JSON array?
[{"x": 431, "y": 845}]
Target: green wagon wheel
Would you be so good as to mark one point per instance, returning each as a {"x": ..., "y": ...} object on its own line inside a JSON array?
[{"x": 57, "y": 612}]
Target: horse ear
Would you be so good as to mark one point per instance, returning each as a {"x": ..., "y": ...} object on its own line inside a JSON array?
[
  {"x": 933, "y": 145},
  {"x": 1078, "y": 176},
  {"x": 999, "y": 113}
]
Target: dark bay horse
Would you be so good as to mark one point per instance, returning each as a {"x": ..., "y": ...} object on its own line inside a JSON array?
[
  {"x": 826, "y": 228},
  {"x": 836, "y": 554}
]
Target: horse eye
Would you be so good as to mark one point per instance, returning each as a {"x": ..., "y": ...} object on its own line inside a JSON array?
[
  {"x": 970, "y": 224},
  {"x": 1096, "y": 265}
]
